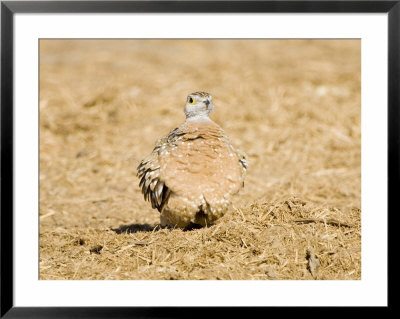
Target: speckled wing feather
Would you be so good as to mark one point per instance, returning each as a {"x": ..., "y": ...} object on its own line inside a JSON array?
[{"x": 154, "y": 189}]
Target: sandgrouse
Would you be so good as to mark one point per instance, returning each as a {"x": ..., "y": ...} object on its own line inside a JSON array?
[{"x": 194, "y": 170}]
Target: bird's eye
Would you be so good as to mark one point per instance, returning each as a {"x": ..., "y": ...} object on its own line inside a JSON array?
[{"x": 191, "y": 100}]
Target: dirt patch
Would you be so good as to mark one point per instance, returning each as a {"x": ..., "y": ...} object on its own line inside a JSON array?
[{"x": 292, "y": 105}]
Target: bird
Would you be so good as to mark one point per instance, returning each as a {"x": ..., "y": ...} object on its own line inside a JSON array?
[{"x": 192, "y": 172}]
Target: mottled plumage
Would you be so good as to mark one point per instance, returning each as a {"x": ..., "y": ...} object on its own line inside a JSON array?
[{"x": 193, "y": 171}]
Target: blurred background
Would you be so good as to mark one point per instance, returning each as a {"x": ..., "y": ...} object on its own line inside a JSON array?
[{"x": 292, "y": 105}]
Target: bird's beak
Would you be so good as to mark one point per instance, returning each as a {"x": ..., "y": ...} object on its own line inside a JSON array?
[{"x": 207, "y": 102}]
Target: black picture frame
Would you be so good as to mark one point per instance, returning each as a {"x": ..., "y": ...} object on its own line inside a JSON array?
[{"x": 9, "y": 8}]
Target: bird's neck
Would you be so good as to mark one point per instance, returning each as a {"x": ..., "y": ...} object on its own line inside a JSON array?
[{"x": 201, "y": 118}]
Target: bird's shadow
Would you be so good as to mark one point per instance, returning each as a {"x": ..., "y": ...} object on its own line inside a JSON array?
[{"x": 134, "y": 228}]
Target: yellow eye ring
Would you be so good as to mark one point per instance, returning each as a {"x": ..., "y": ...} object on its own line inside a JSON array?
[{"x": 191, "y": 100}]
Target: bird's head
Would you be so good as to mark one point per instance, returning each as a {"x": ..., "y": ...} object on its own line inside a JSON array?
[{"x": 198, "y": 107}]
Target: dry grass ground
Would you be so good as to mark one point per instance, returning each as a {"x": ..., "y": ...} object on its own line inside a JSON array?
[{"x": 292, "y": 105}]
